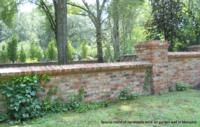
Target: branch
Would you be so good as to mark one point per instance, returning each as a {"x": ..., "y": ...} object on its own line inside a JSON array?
[
  {"x": 46, "y": 10},
  {"x": 86, "y": 9},
  {"x": 102, "y": 6},
  {"x": 48, "y": 14}
]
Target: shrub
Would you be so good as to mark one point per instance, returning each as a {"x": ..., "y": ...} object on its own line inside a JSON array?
[
  {"x": 3, "y": 54},
  {"x": 181, "y": 86},
  {"x": 127, "y": 94},
  {"x": 76, "y": 100},
  {"x": 70, "y": 51},
  {"x": 84, "y": 50},
  {"x": 52, "y": 51},
  {"x": 12, "y": 49},
  {"x": 22, "y": 98},
  {"x": 108, "y": 53},
  {"x": 52, "y": 105},
  {"x": 22, "y": 55},
  {"x": 35, "y": 52},
  {"x": 76, "y": 103}
]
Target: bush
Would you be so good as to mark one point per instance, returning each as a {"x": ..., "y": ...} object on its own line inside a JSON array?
[
  {"x": 181, "y": 86},
  {"x": 84, "y": 50},
  {"x": 35, "y": 52},
  {"x": 127, "y": 94},
  {"x": 108, "y": 53},
  {"x": 22, "y": 98},
  {"x": 22, "y": 55},
  {"x": 76, "y": 103},
  {"x": 3, "y": 54},
  {"x": 52, "y": 105},
  {"x": 70, "y": 51},
  {"x": 52, "y": 51},
  {"x": 12, "y": 49}
]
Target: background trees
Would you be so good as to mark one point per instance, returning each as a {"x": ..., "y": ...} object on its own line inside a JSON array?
[
  {"x": 167, "y": 20},
  {"x": 99, "y": 29}
]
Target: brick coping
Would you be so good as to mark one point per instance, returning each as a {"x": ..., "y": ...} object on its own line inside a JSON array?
[
  {"x": 183, "y": 54},
  {"x": 71, "y": 69}
]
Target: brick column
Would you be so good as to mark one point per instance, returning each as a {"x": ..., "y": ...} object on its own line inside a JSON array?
[{"x": 156, "y": 52}]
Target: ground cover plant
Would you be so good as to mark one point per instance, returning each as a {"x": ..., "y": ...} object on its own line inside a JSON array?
[{"x": 173, "y": 106}]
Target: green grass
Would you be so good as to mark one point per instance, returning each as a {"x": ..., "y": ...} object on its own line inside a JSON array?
[{"x": 174, "y": 106}]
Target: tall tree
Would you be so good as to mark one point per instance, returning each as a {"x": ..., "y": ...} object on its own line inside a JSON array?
[
  {"x": 58, "y": 23},
  {"x": 97, "y": 19},
  {"x": 8, "y": 9},
  {"x": 167, "y": 20},
  {"x": 12, "y": 50},
  {"x": 115, "y": 32},
  {"x": 123, "y": 15},
  {"x": 60, "y": 9}
]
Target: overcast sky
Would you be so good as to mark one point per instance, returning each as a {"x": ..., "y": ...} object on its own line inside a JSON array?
[{"x": 28, "y": 7}]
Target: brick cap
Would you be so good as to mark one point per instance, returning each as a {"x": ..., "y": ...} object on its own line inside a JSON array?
[
  {"x": 183, "y": 54},
  {"x": 72, "y": 69},
  {"x": 153, "y": 44}
]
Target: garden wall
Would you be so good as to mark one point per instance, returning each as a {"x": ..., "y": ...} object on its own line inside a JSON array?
[
  {"x": 154, "y": 72},
  {"x": 100, "y": 81},
  {"x": 184, "y": 67}
]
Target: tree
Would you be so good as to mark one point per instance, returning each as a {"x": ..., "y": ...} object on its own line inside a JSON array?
[
  {"x": 35, "y": 51},
  {"x": 97, "y": 20},
  {"x": 51, "y": 51},
  {"x": 22, "y": 55},
  {"x": 70, "y": 51},
  {"x": 115, "y": 32},
  {"x": 3, "y": 54},
  {"x": 58, "y": 22},
  {"x": 12, "y": 49},
  {"x": 84, "y": 50},
  {"x": 8, "y": 11},
  {"x": 167, "y": 20},
  {"x": 122, "y": 17},
  {"x": 60, "y": 9}
]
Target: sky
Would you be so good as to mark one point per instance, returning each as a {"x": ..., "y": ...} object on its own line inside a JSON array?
[{"x": 28, "y": 7}]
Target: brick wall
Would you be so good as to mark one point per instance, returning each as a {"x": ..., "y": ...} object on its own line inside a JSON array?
[
  {"x": 185, "y": 67},
  {"x": 155, "y": 52},
  {"x": 156, "y": 68},
  {"x": 100, "y": 81}
]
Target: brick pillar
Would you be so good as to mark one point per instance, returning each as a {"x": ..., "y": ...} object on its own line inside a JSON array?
[{"x": 156, "y": 52}]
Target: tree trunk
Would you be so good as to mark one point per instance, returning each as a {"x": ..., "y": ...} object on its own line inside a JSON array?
[
  {"x": 99, "y": 42},
  {"x": 115, "y": 32},
  {"x": 99, "y": 33},
  {"x": 61, "y": 29}
]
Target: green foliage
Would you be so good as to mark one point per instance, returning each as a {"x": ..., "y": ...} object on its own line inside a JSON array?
[
  {"x": 108, "y": 53},
  {"x": 3, "y": 54},
  {"x": 70, "y": 51},
  {"x": 8, "y": 11},
  {"x": 22, "y": 55},
  {"x": 12, "y": 49},
  {"x": 22, "y": 98},
  {"x": 35, "y": 52},
  {"x": 76, "y": 100},
  {"x": 52, "y": 105},
  {"x": 127, "y": 94},
  {"x": 3, "y": 117},
  {"x": 167, "y": 20},
  {"x": 84, "y": 50},
  {"x": 181, "y": 86},
  {"x": 52, "y": 51}
]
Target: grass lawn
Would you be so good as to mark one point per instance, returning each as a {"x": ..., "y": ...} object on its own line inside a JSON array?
[{"x": 175, "y": 106}]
